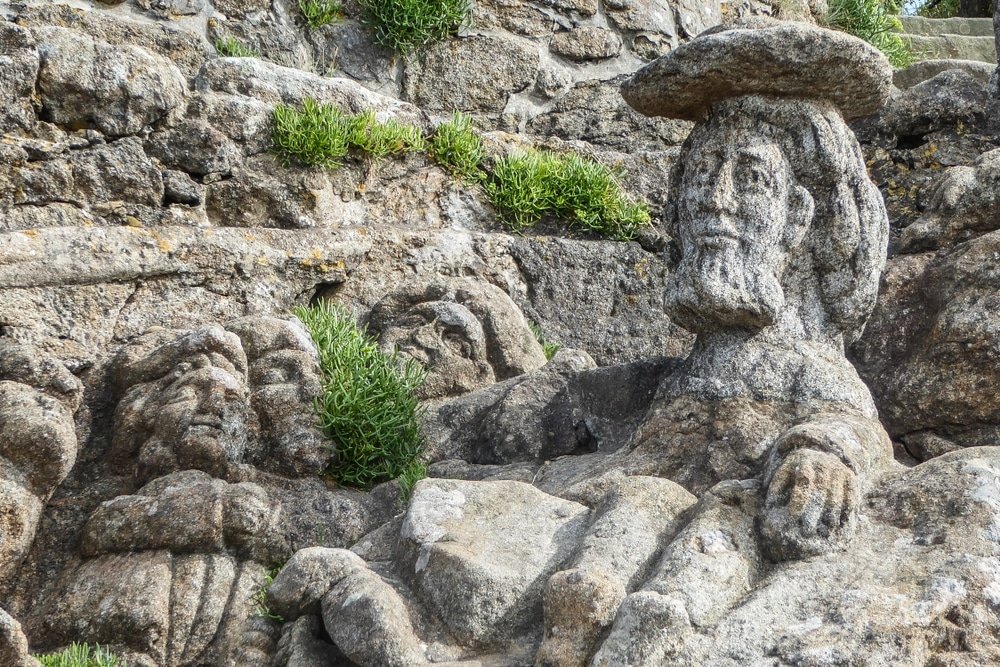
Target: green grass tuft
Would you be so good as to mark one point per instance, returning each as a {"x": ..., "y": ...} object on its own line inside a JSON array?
[
  {"x": 406, "y": 25},
  {"x": 527, "y": 186},
  {"x": 260, "y": 597},
  {"x": 80, "y": 655},
  {"x": 319, "y": 13},
  {"x": 367, "y": 405},
  {"x": 380, "y": 139},
  {"x": 874, "y": 22},
  {"x": 548, "y": 347},
  {"x": 234, "y": 48},
  {"x": 322, "y": 135},
  {"x": 415, "y": 472},
  {"x": 456, "y": 147},
  {"x": 317, "y": 136}
]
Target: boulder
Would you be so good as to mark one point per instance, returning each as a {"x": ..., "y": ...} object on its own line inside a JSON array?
[
  {"x": 782, "y": 59},
  {"x": 477, "y": 73},
  {"x": 479, "y": 553},
  {"x": 119, "y": 90}
]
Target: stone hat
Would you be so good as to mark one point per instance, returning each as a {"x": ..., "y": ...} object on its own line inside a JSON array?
[{"x": 764, "y": 57}]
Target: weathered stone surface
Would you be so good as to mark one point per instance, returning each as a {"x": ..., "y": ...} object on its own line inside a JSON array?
[
  {"x": 213, "y": 397},
  {"x": 914, "y": 570},
  {"x": 958, "y": 47},
  {"x": 186, "y": 50},
  {"x": 516, "y": 17},
  {"x": 98, "y": 176},
  {"x": 696, "y": 16},
  {"x": 107, "y": 237},
  {"x": 13, "y": 644},
  {"x": 594, "y": 111},
  {"x": 635, "y": 518},
  {"x": 18, "y": 76},
  {"x": 468, "y": 334},
  {"x": 301, "y": 644},
  {"x": 479, "y": 553},
  {"x": 962, "y": 202},
  {"x": 119, "y": 90},
  {"x": 368, "y": 621},
  {"x": 38, "y": 445},
  {"x": 930, "y": 353},
  {"x": 306, "y": 578},
  {"x": 652, "y": 21},
  {"x": 789, "y": 59},
  {"x": 566, "y": 407},
  {"x": 476, "y": 73},
  {"x": 188, "y": 512},
  {"x": 569, "y": 295},
  {"x": 142, "y": 600},
  {"x": 951, "y": 97},
  {"x": 271, "y": 84},
  {"x": 919, "y": 72},
  {"x": 586, "y": 43},
  {"x": 345, "y": 49}
]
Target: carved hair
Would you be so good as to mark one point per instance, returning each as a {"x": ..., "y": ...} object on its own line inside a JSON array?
[{"x": 849, "y": 231}]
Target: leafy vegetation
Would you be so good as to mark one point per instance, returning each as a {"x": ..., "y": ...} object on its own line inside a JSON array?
[
  {"x": 319, "y": 13},
  {"x": 456, "y": 147},
  {"x": 938, "y": 9},
  {"x": 234, "y": 48},
  {"x": 406, "y": 25},
  {"x": 415, "y": 472},
  {"x": 367, "y": 405},
  {"x": 80, "y": 655},
  {"x": 380, "y": 139},
  {"x": 548, "y": 347},
  {"x": 260, "y": 597},
  {"x": 321, "y": 134},
  {"x": 874, "y": 21},
  {"x": 527, "y": 186}
]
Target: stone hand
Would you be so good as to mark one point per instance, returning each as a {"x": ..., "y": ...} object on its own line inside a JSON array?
[{"x": 809, "y": 506}]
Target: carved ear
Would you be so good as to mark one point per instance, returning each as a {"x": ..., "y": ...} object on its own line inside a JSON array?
[{"x": 800, "y": 215}]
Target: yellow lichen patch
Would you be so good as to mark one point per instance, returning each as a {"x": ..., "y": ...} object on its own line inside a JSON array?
[{"x": 640, "y": 268}]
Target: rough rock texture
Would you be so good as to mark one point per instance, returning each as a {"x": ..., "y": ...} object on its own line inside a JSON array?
[
  {"x": 635, "y": 500},
  {"x": 467, "y": 334},
  {"x": 830, "y": 65},
  {"x": 84, "y": 82},
  {"x": 13, "y": 644}
]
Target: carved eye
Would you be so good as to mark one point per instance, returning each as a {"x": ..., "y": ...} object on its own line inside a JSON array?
[{"x": 458, "y": 343}]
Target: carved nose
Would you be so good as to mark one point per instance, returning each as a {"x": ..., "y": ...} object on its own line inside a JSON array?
[{"x": 723, "y": 189}]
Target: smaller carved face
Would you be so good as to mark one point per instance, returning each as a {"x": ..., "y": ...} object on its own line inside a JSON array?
[
  {"x": 739, "y": 210},
  {"x": 448, "y": 340},
  {"x": 202, "y": 413},
  {"x": 194, "y": 416}
]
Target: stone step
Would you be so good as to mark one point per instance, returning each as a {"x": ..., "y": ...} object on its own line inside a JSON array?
[
  {"x": 918, "y": 25},
  {"x": 925, "y": 47}
]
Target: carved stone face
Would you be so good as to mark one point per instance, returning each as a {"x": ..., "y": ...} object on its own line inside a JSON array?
[
  {"x": 447, "y": 340},
  {"x": 192, "y": 416},
  {"x": 197, "y": 421},
  {"x": 738, "y": 204}
]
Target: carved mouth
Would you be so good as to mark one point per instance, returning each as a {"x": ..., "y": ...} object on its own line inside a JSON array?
[
  {"x": 718, "y": 240},
  {"x": 208, "y": 421}
]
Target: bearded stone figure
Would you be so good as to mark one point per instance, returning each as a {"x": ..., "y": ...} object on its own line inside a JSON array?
[
  {"x": 782, "y": 239},
  {"x": 466, "y": 333}
]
